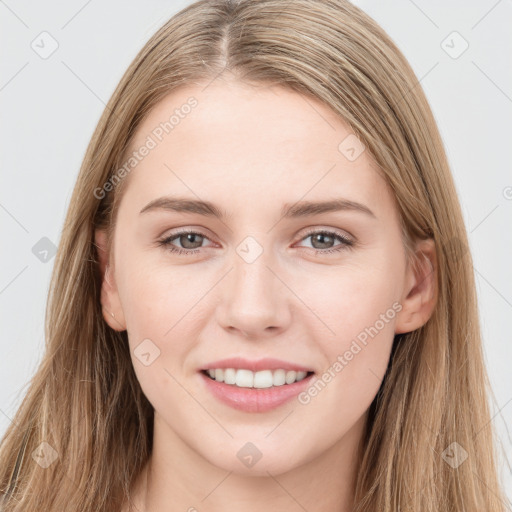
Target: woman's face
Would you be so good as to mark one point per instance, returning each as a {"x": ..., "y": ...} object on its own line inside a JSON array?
[{"x": 264, "y": 274}]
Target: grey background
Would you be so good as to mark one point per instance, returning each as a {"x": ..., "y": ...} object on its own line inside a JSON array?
[{"x": 51, "y": 105}]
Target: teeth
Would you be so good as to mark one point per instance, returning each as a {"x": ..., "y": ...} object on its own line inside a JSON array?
[
  {"x": 248, "y": 379},
  {"x": 229, "y": 376}
]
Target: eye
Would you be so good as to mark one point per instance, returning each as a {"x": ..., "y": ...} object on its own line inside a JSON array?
[
  {"x": 191, "y": 241},
  {"x": 322, "y": 241}
]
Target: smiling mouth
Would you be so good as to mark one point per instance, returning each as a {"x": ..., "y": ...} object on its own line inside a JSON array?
[{"x": 263, "y": 379}]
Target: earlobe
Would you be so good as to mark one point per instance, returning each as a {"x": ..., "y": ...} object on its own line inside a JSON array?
[
  {"x": 109, "y": 297},
  {"x": 420, "y": 293}
]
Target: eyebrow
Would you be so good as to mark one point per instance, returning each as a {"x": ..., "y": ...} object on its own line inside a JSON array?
[{"x": 295, "y": 210}]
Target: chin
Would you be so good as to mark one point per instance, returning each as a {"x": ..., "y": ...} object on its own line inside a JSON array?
[{"x": 257, "y": 458}]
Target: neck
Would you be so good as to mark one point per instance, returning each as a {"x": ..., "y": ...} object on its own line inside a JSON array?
[{"x": 177, "y": 478}]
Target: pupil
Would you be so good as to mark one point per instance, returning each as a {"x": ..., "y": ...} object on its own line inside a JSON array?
[
  {"x": 321, "y": 236},
  {"x": 189, "y": 237}
]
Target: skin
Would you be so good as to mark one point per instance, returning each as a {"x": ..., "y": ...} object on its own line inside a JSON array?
[{"x": 250, "y": 150}]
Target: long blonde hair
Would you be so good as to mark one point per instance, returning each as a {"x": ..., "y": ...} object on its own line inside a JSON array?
[{"x": 84, "y": 406}]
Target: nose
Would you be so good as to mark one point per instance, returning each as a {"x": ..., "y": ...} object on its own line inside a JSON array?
[{"x": 254, "y": 301}]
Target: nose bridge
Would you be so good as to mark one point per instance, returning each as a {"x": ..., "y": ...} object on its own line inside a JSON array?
[{"x": 253, "y": 299}]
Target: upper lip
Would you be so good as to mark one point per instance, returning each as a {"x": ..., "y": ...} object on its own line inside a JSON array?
[{"x": 267, "y": 363}]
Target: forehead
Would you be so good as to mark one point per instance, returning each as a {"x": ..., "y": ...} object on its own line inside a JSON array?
[{"x": 264, "y": 143}]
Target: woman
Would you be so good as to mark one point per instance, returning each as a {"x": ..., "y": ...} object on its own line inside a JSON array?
[{"x": 205, "y": 349}]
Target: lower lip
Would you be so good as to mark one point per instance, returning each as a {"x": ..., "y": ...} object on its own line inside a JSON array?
[{"x": 253, "y": 399}]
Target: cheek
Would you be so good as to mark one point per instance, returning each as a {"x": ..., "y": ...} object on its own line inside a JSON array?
[
  {"x": 360, "y": 306},
  {"x": 154, "y": 296},
  {"x": 157, "y": 306},
  {"x": 352, "y": 298},
  {"x": 167, "y": 306}
]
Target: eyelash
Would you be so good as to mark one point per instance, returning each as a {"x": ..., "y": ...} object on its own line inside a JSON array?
[{"x": 346, "y": 242}]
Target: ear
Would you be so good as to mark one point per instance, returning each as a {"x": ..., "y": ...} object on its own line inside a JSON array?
[
  {"x": 420, "y": 291},
  {"x": 111, "y": 305}
]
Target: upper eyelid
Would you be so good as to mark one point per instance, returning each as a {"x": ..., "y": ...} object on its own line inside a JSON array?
[{"x": 334, "y": 231}]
